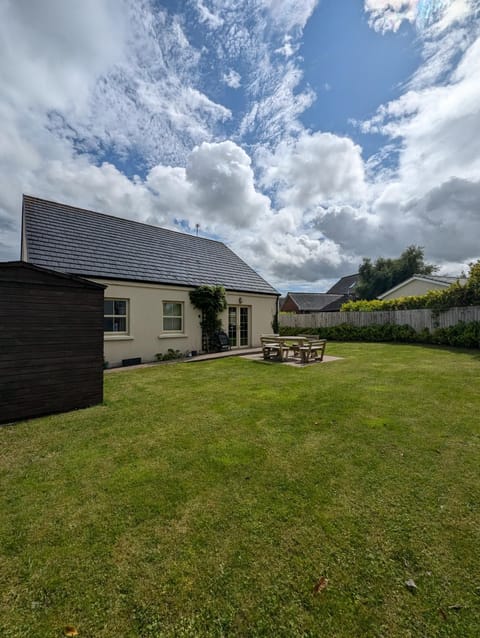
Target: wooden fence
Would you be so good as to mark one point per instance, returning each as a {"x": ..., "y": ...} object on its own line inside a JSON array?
[{"x": 418, "y": 319}]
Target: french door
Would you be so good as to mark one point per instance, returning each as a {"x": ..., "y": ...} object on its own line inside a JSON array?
[{"x": 239, "y": 326}]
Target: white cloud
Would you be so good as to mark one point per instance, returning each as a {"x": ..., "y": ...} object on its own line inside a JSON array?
[
  {"x": 434, "y": 15},
  {"x": 288, "y": 15},
  {"x": 223, "y": 185},
  {"x": 315, "y": 169},
  {"x": 435, "y": 127},
  {"x": 51, "y": 52},
  {"x": 205, "y": 15},
  {"x": 452, "y": 12},
  {"x": 275, "y": 116},
  {"x": 388, "y": 15},
  {"x": 447, "y": 219},
  {"x": 232, "y": 79},
  {"x": 151, "y": 104},
  {"x": 288, "y": 47},
  {"x": 261, "y": 42},
  {"x": 430, "y": 197}
]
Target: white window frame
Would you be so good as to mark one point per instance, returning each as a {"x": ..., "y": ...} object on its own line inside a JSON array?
[
  {"x": 113, "y": 316},
  {"x": 181, "y": 316}
]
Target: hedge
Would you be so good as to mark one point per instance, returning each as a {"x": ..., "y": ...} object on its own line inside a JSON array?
[{"x": 462, "y": 335}]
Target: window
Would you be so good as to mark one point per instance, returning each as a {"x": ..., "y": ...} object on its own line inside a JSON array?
[
  {"x": 172, "y": 316},
  {"x": 115, "y": 316}
]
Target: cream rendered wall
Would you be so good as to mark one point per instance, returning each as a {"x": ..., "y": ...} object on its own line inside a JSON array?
[
  {"x": 146, "y": 337},
  {"x": 414, "y": 288},
  {"x": 262, "y": 312}
]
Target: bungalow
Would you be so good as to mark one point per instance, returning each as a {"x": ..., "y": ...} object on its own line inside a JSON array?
[
  {"x": 148, "y": 273},
  {"x": 419, "y": 285}
]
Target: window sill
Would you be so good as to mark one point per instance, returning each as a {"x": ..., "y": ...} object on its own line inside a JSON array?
[
  {"x": 118, "y": 338},
  {"x": 167, "y": 335}
]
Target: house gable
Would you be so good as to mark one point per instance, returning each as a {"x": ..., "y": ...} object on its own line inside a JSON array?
[{"x": 419, "y": 285}]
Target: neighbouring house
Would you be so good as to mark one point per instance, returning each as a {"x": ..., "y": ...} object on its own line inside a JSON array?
[
  {"x": 419, "y": 285},
  {"x": 148, "y": 273},
  {"x": 51, "y": 342},
  {"x": 303, "y": 303},
  {"x": 331, "y": 301},
  {"x": 345, "y": 286}
]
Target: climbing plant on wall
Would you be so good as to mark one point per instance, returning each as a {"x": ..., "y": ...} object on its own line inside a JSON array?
[{"x": 212, "y": 301}]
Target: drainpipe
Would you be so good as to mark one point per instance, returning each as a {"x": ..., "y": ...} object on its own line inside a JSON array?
[{"x": 276, "y": 312}]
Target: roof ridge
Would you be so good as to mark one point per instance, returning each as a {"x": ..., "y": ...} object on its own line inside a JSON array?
[{"x": 116, "y": 217}]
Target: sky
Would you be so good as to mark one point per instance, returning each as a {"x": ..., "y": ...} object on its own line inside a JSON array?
[{"x": 305, "y": 134}]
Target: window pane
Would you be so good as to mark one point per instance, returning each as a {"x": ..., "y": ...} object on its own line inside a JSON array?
[
  {"x": 168, "y": 308},
  {"x": 119, "y": 324},
  {"x": 171, "y": 323},
  {"x": 108, "y": 324},
  {"x": 108, "y": 307},
  {"x": 172, "y": 309},
  {"x": 120, "y": 307}
]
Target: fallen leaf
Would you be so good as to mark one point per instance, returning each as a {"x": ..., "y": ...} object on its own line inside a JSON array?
[
  {"x": 321, "y": 585},
  {"x": 410, "y": 584},
  {"x": 70, "y": 631}
]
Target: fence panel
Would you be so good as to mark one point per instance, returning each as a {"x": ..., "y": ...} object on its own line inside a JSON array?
[{"x": 417, "y": 319}]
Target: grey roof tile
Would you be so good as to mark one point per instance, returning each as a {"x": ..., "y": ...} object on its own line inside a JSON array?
[
  {"x": 344, "y": 286},
  {"x": 83, "y": 242},
  {"x": 316, "y": 301}
]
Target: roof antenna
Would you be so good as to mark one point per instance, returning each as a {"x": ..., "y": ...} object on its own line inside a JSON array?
[{"x": 197, "y": 226}]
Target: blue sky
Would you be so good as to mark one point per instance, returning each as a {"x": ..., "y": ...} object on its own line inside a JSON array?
[{"x": 306, "y": 134}]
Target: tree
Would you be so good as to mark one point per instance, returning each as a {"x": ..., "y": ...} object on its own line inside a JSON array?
[{"x": 376, "y": 278}]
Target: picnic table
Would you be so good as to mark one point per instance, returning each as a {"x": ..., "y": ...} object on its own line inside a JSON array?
[{"x": 303, "y": 347}]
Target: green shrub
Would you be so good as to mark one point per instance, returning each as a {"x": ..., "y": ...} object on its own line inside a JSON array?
[
  {"x": 170, "y": 355},
  {"x": 462, "y": 335}
]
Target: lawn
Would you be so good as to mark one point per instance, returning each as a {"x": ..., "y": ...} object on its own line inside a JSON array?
[{"x": 241, "y": 498}]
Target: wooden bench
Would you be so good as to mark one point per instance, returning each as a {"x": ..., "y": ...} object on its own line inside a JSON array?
[
  {"x": 313, "y": 350},
  {"x": 272, "y": 346}
]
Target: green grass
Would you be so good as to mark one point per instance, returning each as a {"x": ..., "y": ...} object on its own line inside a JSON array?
[{"x": 208, "y": 499}]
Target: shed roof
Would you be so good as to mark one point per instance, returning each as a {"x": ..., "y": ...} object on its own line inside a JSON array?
[
  {"x": 23, "y": 272},
  {"x": 84, "y": 242}
]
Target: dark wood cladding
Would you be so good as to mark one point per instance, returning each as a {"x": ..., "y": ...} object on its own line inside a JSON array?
[{"x": 51, "y": 342}]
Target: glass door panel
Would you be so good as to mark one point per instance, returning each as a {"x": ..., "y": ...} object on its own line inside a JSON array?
[
  {"x": 239, "y": 326},
  {"x": 232, "y": 325},
  {"x": 244, "y": 325}
]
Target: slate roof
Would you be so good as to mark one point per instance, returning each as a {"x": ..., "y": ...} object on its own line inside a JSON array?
[
  {"x": 316, "y": 301},
  {"x": 344, "y": 286},
  {"x": 83, "y": 242}
]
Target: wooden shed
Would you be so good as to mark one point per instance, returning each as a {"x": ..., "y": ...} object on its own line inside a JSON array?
[{"x": 51, "y": 342}]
